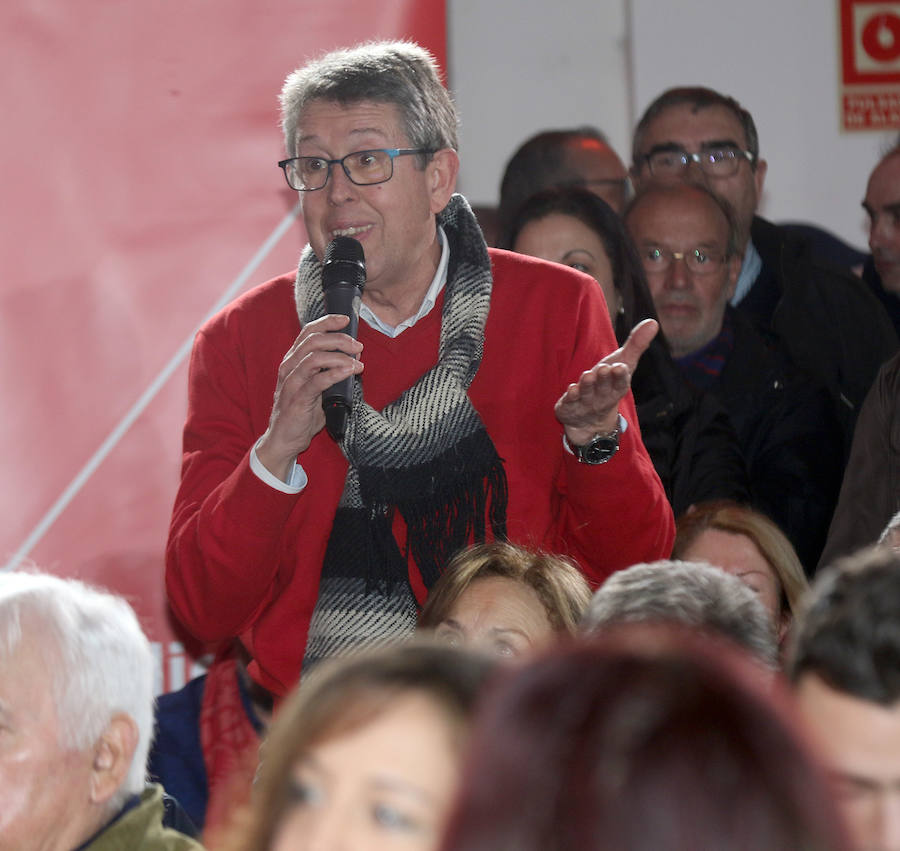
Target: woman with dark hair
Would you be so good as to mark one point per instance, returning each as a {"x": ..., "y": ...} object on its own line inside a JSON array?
[
  {"x": 688, "y": 434},
  {"x": 366, "y": 754},
  {"x": 652, "y": 738}
]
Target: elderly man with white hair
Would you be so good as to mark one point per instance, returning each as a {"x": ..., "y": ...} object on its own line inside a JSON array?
[{"x": 76, "y": 720}]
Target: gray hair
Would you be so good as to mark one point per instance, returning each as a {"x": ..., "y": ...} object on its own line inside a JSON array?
[
  {"x": 695, "y": 594},
  {"x": 99, "y": 660},
  {"x": 696, "y": 97},
  {"x": 396, "y": 72},
  {"x": 848, "y": 629}
]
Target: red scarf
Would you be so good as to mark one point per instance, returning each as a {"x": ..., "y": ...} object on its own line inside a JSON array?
[{"x": 229, "y": 741}]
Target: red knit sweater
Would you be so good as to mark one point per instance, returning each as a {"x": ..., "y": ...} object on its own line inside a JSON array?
[{"x": 244, "y": 559}]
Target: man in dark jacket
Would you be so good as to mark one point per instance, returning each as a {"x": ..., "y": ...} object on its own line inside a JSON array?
[
  {"x": 687, "y": 239},
  {"x": 826, "y": 321},
  {"x": 882, "y": 204}
]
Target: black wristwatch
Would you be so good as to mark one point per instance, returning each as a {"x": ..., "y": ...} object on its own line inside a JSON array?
[{"x": 598, "y": 450}]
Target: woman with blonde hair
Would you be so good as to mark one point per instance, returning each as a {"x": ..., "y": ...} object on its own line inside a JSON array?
[
  {"x": 505, "y": 599},
  {"x": 365, "y": 755},
  {"x": 749, "y": 545}
]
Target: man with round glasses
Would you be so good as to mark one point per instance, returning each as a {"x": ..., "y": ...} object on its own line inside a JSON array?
[
  {"x": 827, "y": 323},
  {"x": 687, "y": 239},
  {"x": 486, "y": 403}
]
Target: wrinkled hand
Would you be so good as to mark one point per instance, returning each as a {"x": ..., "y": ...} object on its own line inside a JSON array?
[
  {"x": 591, "y": 405},
  {"x": 317, "y": 359}
]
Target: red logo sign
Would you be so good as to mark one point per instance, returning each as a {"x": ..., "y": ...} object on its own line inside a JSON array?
[
  {"x": 870, "y": 54},
  {"x": 870, "y": 39}
]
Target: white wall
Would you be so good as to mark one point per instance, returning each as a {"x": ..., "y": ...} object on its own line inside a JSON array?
[{"x": 518, "y": 66}]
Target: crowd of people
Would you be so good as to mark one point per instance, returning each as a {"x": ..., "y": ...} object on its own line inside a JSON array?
[{"x": 605, "y": 557}]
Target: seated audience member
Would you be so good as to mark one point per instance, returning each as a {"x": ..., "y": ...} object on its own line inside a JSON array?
[
  {"x": 208, "y": 735},
  {"x": 882, "y": 204},
  {"x": 687, "y": 433},
  {"x": 365, "y": 755},
  {"x": 649, "y": 739},
  {"x": 751, "y": 547},
  {"x": 505, "y": 600},
  {"x": 845, "y": 668},
  {"x": 687, "y": 240},
  {"x": 692, "y": 594},
  {"x": 580, "y": 156},
  {"x": 870, "y": 491},
  {"x": 76, "y": 719},
  {"x": 828, "y": 324}
]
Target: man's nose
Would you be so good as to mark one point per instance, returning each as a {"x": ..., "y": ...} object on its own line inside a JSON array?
[
  {"x": 328, "y": 830},
  {"x": 694, "y": 173},
  {"x": 677, "y": 275},
  {"x": 340, "y": 188}
]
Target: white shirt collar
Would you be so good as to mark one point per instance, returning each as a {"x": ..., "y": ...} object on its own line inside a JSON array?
[{"x": 431, "y": 296}]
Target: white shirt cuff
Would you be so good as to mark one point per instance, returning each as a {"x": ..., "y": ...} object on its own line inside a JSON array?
[{"x": 296, "y": 482}]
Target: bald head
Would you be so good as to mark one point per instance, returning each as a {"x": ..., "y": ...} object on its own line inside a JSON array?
[
  {"x": 882, "y": 203},
  {"x": 686, "y": 238}
]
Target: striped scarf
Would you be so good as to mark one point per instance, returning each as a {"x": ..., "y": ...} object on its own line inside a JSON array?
[{"x": 426, "y": 455}]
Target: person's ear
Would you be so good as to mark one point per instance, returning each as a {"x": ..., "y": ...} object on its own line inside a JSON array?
[
  {"x": 113, "y": 754},
  {"x": 759, "y": 178},
  {"x": 783, "y": 626},
  {"x": 734, "y": 272},
  {"x": 442, "y": 172}
]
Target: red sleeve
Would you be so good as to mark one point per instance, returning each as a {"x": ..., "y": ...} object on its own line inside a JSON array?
[
  {"x": 227, "y": 524},
  {"x": 616, "y": 514}
]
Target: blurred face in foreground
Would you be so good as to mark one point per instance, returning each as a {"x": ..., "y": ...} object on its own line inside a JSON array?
[
  {"x": 384, "y": 786},
  {"x": 860, "y": 742},
  {"x": 499, "y": 616}
]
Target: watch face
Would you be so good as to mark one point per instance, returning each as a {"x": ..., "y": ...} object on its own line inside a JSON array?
[{"x": 600, "y": 449}]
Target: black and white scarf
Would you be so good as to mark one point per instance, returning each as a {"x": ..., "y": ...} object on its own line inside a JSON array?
[{"x": 426, "y": 455}]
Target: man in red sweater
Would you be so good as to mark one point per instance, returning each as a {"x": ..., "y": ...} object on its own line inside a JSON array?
[{"x": 489, "y": 398}]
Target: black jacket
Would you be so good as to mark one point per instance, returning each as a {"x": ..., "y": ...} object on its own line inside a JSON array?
[
  {"x": 827, "y": 321},
  {"x": 789, "y": 436},
  {"x": 688, "y": 435}
]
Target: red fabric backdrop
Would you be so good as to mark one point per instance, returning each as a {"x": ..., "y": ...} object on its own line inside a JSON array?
[{"x": 140, "y": 189}]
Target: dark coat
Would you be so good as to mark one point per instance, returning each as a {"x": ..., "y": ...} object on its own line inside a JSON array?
[
  {"x": 789, "y": 435},
  {"x": 870, "y": 494},
  {"x": 827, "y": 321},
  {"x": 688, "y": 435}
]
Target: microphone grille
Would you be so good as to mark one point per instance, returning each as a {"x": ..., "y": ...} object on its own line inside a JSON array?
[{"x": 345, "y": 249}]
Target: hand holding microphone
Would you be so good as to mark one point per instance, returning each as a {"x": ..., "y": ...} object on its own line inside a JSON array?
[
  {"x": 343, "y": 280},
  {"x": 324, "y": 348}
]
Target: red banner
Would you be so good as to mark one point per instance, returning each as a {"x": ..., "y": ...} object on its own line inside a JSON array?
[{"x": 141, "y": 193}]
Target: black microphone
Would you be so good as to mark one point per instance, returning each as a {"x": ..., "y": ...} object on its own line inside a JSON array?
[{"x": 343, "y": 279}]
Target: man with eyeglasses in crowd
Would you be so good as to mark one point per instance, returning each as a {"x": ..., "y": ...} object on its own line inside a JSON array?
[
  {"x": 688, "y": 240},
  {"x": 486, "y": 403},
  {"x": 826, "y": 321}
]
